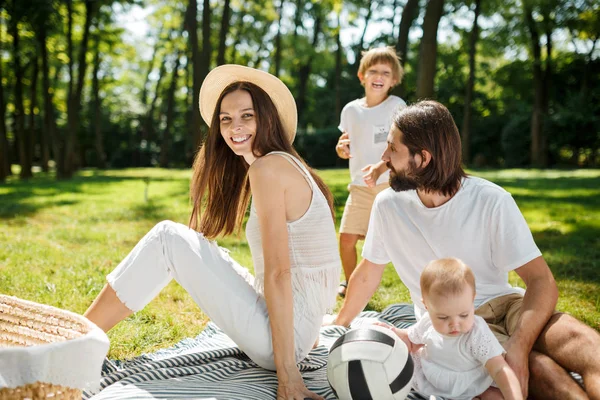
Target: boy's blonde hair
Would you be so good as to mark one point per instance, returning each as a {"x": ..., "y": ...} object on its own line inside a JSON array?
[
  {"x": 382, "y": 55},
  {"x": 446, "y": 276}
]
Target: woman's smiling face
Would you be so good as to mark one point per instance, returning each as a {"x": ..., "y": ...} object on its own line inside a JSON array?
[{"x": 237, "y": 122}]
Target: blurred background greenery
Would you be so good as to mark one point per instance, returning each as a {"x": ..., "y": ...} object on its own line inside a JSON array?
[{"x": 114, "y": 83}]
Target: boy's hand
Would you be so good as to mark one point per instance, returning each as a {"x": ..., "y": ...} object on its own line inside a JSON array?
[
  {"x": 343, "y": 146},
  {"x": 372, "y": 174}
]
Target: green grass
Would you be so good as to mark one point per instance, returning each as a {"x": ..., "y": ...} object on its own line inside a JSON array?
[{"x": 58, "y": 240}]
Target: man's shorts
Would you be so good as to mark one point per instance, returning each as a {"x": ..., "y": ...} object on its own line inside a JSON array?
[
  {"x": 355, "y": 219},
  {"x": 502, "y": 315}
]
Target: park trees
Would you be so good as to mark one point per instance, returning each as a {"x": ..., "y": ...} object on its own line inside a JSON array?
[{"x": 80, "y": 87}]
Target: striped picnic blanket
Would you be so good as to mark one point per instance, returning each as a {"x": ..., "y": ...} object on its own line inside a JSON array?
[{"x": 210, "y": 366}]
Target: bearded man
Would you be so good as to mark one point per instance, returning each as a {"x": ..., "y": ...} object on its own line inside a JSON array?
[{"x": 433, "y": 210}]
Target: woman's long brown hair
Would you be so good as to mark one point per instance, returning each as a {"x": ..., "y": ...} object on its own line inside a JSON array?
[{"x": 220, "y": 181}]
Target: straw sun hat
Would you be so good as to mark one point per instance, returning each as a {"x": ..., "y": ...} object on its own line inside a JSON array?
[{"x": 220, "y": 77}]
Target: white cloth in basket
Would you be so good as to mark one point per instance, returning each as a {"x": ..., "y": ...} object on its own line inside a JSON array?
[{"x": 74, "y": 363}]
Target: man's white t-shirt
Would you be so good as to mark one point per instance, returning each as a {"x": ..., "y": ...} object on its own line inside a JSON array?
[
  {"x": 481, "y": 225},
  {"x": 368, "y": 128}
]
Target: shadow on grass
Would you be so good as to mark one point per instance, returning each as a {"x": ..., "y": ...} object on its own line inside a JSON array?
[
  {"x": 553, "y": 183},
  {"x": 23, "y": 198},
  {"x": 574, "y": 255},
  {"x": 551, "y": 186}
]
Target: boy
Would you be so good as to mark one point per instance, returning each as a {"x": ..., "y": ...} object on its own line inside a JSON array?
[{"x": 365, "y": 124}]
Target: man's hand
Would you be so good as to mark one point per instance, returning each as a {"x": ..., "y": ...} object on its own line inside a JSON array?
[
  {"x": 343, "y": 146},
  {"x": 371, "y": 174},
  {"x": 518, "y": 360}
]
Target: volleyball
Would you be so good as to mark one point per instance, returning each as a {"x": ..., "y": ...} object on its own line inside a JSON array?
[{"x": 370, "y": 363}]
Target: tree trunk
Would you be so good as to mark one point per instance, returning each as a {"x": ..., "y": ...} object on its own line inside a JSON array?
[
  {"x": 191, "y": 25},
  {"x": 190, "y": 104},
  {"x": 239, "y": 32},
  {"x": 32, "y": 107},
  {"x": 47, "y": 135},
  {"x": 547, "y": 88},
  {"x": 20, "y": 134},
  {"x": 140, "y": 134},
  {"x": 393, "y": 17},
  {"x": 5, "y": 161},
  {"x": 538, "y": 158},
  {"x": 74, "y": 103},
  {"x": 409, "y": 13},
  {"x": 258, "y": 59},
  {"x": 53, "y": 134},
  {"x": 305, "y": 70},
  {"x": 361, "y": 43},
  {"x": 223, "y": 33},
  {"x": 466, "y": 126},
  {"x": 206, "y": 45},
  {"x": 165, "y": 146},
  {"x": 157, "y": 45},
  {"x": 148, "y": 131},
  {"x": 584, "y": 86},
  {"x": 99, "y": 140},
  {"x": 428, "y": 49},
  {"x": 298, "y": 19},
  {"x": 61, "y": 163},
  {"x": 278, "y": 39}
]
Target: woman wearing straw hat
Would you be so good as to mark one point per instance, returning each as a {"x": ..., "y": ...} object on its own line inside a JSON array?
[{"x": 274, "y": 317}]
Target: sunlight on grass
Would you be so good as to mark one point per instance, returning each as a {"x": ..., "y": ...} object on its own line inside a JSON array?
[{"x": 60, "y": 239}]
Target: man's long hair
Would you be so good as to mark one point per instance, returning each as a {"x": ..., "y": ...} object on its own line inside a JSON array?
[
  {"x": 428, "y": 125},
  {"x": 220, "y": 187}
]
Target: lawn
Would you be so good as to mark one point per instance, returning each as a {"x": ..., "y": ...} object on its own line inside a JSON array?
[{"x": 58, "y": 240}]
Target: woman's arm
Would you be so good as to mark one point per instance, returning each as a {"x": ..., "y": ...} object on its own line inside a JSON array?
[
  {"x": 504, "y": 377},
  {"x": 268, "y": 183}
]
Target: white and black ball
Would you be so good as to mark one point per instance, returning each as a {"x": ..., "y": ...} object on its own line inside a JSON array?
[{"x": 370, "y": 363}]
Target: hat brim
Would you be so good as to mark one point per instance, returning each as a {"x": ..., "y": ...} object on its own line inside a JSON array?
[{"x": 222, "y": 76}]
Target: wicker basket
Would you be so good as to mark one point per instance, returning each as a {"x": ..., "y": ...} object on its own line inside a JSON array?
[
  {"x": 25, "y": 325},
  {"x": 40, "y": 390}
]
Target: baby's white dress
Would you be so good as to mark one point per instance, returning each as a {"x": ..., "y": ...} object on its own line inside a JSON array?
[{"x": 453, "y": 367}]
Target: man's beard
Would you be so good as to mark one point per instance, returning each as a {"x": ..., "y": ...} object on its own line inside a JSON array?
[{"x": 403, "y": 180}]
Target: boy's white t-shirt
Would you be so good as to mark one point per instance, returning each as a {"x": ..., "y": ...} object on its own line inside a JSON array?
[
  {"x": 368, "y": 128},
  {"x": 481, "y": 225}
]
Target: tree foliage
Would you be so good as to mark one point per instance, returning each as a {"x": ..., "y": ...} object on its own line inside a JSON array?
[{"x": 81, "y": 87}]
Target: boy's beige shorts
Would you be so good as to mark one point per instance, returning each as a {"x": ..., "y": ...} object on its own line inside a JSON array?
[{"x": 355, "y": 219}]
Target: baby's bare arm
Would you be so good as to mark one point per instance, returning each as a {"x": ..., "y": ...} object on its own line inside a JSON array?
[
  {"x": 505, "y": 378},
  {"x": 402, "y": 334}
]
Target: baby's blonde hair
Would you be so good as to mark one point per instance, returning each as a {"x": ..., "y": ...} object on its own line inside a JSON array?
[
  {"x": 446, "y": 276},
  {"x": 382, "y": 55}
]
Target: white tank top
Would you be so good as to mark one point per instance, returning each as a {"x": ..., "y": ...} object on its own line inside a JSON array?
[{"x": 314, "y": 258}]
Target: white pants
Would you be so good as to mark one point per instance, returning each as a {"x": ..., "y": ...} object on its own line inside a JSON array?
[{"x": 220, "y": 286}]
